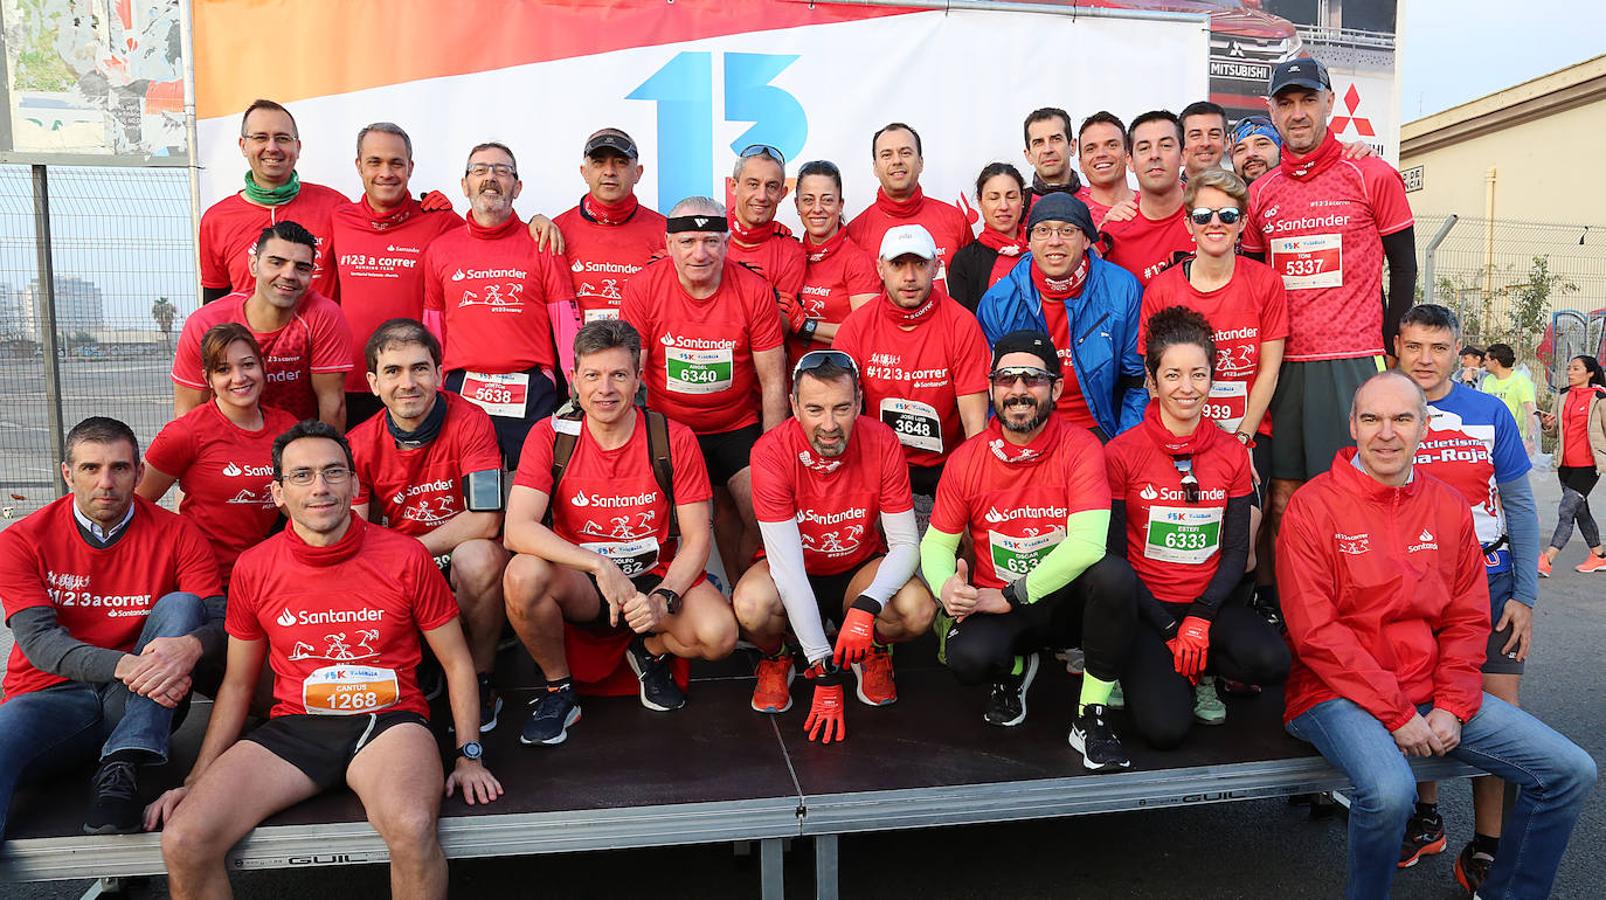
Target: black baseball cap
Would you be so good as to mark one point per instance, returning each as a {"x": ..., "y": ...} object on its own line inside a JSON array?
[
  {"x": 611, "y": 139},
  {"x": 1027, "y": 341},
  {"x": 1306, "y": 72}
]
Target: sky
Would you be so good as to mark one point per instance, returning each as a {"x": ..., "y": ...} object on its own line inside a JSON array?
[{"x": 1452, "y": 51}]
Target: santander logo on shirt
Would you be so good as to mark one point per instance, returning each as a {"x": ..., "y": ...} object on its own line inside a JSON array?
[
  {"x": 995, "y": 517},
  {"x": 606, "y": 501},
  {"x": 1176, "y": 495},
  {"x": 675, "y": 340},
  {"x": 235, "y": 470},
  {"x": 1425, "y": 542}
]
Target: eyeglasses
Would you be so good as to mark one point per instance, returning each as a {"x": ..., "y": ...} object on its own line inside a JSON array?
[
  {"x": 1190, "y": 484},
  {"x": 1065, "y": 232},
  {"x": 752, "y": 150},
  {"x": 501, "y": 169},
  {"x": 262, "y": 137},
  {"x": 815, "y": 359},
  {"x": 303, "y": 477},
  {"x": 1032, "y": 375},
  {"x": 1228, "y": 215},
  {"x": 1248, "y": 125}
]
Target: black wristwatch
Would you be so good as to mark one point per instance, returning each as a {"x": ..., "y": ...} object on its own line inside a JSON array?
[
  {"x": 1015, "y": 593},
  {"x": 471, "y": 750},
  {"x": 807, "y": 329},
  {"x": 671, "y": 599}
]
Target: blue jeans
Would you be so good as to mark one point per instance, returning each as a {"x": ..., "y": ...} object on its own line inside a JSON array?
[
  {"x": 1554, "y": 775},
  {"x": 44, "y": 733}
]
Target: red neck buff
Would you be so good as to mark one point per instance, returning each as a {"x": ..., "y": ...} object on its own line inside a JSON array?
[
  {"x": 1172, "y": 444},
  {"x": 1304, "y": 168},
  {"x": 1061, "y": 288},
  {"x": 338, "y": 552},
  {"x": 821, "y": 250},
  {"x": 379, "y": 221},
  {"x": 609, "y": 213},
  {"x": 911, "y": 316},
  {"x": 900, "y": 209},
  {"x": 1035, "y": 450},
  {"x": 1003, "y": 244},
  {"x": 758, "y": 234},
  {"x": 491, "y": 234}
]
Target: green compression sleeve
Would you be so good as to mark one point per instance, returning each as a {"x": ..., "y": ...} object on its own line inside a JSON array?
[
  {"x": 1086, "y": 536},
  {"x": 937, "y": 563}
]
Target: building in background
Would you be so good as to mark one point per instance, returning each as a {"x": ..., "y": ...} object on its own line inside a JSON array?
[{"x": 79, "y": 306}]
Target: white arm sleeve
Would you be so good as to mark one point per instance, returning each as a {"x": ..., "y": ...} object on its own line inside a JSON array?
[
  {"x": 784, "y": 548},
  {"x": 903, "y": 555}
]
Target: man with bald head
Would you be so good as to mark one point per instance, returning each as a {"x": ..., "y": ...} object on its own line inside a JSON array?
[{"x": 1383, "y": 589}]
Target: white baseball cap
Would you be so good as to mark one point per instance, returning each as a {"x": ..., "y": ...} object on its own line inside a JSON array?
[{"x": 906, "y": 239}]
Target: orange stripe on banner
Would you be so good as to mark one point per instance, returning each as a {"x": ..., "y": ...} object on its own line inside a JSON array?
[{"x": 291, "y": 50}]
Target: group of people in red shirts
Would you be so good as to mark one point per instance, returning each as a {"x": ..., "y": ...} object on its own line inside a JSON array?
[{"x": 1148, "y": 428}]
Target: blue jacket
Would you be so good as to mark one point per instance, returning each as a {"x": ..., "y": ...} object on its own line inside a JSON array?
[{"x": 1104, "y": 330}]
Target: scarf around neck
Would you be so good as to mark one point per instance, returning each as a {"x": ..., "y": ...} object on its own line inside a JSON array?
[
  {"x": 1038, "y": 448},
  {"x": 758, "y": 234},
  {"x": 1061, "y": 288},
  {"x": 1003, "y": 244},
  {"x": 1174, "y": 444},
  {"x": 338, "y": 552},
  {"x": 820, "y": 251},
  {"x": 901, "y": 316},
  {"x": 1304, "y": 168},
  {"x": 900, "y": 209},
  {"x": 496, "y": 232},
  {"x": 427, "y": 430},
  {"x": 379, "y": 221},
  {"x": 277, "y": 196},
  {"x": 609, "y": 213}
]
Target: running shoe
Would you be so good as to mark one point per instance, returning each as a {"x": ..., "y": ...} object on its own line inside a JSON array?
[
  {"x": 1424, "y": 836},
  {"x": 490, "y": 705},
  {"x": 1472, "y": 867},
  {"x": 116, "y": 809},
  {"x": 1207, "y": 706},
  {"x": 658, "y": 688},
  {"x": 1544, "y": 566},
  {"x": 1093, "y": 737},
  {"x": 876, "y": 687},
  {"x": 1594, "y": 563},
  {"x": 1265, "y": 603},
  {"x": 554, "y": 712},
  {"x": 1006, "y": 705},
  {"x": 773, "y": 691},
  {"x": 1117, "y": 698},
  {"x": 1075, "y": 661}
]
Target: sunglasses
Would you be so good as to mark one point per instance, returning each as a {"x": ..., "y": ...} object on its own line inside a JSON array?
[
  {"x": 1190, "y": 484},
  {"x": 815, "y": 359},
  {"x": 1229, "y": 215},
  {"x": 752, "y": 150},
  {"x": 1033, "y": 376}
]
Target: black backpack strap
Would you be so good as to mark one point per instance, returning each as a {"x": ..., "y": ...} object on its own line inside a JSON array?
[
  {"x": 566, "y": 431},
  {"x": 663, "y": 468}
]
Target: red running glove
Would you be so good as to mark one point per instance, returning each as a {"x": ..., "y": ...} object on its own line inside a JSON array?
[
  {"x": 853, "y": 641},
  {"x": 435, "y": 201},
  {"x": 825, "y": 715},
  {"x": 792, "y": 313},
  {"x": 1190, "y": 649}
]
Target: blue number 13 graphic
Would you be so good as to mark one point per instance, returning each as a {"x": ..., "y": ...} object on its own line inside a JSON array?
[{"x": 684, "y": 92}]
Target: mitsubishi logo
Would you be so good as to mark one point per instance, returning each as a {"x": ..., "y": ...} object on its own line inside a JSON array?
[
  {"x": 1352, "y": 101},
  {"x": 1235, "y": 49}
]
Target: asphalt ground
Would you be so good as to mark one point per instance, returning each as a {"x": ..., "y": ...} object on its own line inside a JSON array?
[{"x": 1251, "y": 849}]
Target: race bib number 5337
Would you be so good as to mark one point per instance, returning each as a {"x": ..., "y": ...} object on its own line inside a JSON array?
[{"x": 1309, "y": 260}]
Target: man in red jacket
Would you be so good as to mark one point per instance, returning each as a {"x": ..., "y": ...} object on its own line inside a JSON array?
[{"x": 1382, "y": 582}]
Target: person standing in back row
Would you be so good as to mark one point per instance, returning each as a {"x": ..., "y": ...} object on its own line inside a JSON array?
[{"x": 899, "y": 159}]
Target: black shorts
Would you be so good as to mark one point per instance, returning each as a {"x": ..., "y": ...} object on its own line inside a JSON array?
[
  {"x": 322, "y": 747},
  {"x": 831, "y": 591},
  {"x": 360, "y": 407},
  {"x": 1261, "y": 455},
  {"x": 1310, "y": 411},
  {"x": 444, "y": 563},
  {"x": 510, "y": 432},
  {"x": 923, "y": 479},
  {"x": 728, "y": 452},
  {"x": 644, "y": 584},
  {"x": 1501, "y": 587}
]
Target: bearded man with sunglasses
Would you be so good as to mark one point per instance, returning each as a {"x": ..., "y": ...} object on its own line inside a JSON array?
[
  {"x": 822, "y": 483},
  {"x": 1033, "y": 494}
]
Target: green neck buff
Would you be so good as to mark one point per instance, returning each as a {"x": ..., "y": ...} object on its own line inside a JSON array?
[{"x": 278, "y": 196}]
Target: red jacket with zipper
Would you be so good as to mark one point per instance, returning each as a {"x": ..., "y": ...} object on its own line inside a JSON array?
[{"x": 1385, "y": 596}]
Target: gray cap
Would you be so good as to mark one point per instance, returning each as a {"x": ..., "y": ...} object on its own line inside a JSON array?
[
  {"x": 614, "y": 140},
  {"x": 1062, "y": 207}
]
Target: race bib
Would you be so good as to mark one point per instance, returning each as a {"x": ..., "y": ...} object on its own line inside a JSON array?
[
  {"x": 1227, "y": 403},
  {"x": 632, "y": 557},
  {"x": 1183, "y": 534},
  {"x": 917, "y": 424},
  {"x": 1497, "y": 562},
  {"x": 349, "y": 690},
  {"x": 1309, "y": 261},
  {"x": 599, "y": 315},
  {"x": 1014, "y": 557},
  {"x": 698, "y": 371},
  {"x": 499, "y": 395}
]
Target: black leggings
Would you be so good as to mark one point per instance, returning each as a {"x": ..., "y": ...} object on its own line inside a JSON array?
[
  {"x": 1096, "y": 612},
  {"x": 1243, "y": 647},
  {"x": 1576, "y": 483}
]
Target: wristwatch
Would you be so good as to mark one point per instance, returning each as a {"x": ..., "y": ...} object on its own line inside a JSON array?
[
  {"x": 1015, "y": 593},
  {"x": 671, "y": 600},
  {"x": 471, "y": 750}
]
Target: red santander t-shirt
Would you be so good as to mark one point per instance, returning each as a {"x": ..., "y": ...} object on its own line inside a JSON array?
[
  {"x": 948, "y": 227},
  {"x": 416, "y": 490},
  {"x": 836, "y": 503},
  {"x": 1146, "y": 247},
  {"x": 342, "y": 622},
  {"x": 380, "y": 268},
  {"x": 1016, "y": 512},
  {"x": 101, "y": 596},
  {"x": 698, "y": 354},
  {"x": 316, "y": 341},
  {"x": 602, "y": 258},
  {"x": 1247, "y": 311},
  {"x": 912, "y": 380},
  {"x": 779, "y": 259},
  {"x": 609, "y": 501},
  {"x": 493, "y": 288},
  {"x": 225, "y": 472},
  {"x": 231, "y": 227},
  {"x": 1175, "y": 546},
  {"x": 834, "y": 272}
]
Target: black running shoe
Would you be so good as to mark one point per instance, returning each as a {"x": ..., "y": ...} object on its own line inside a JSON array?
[
  {"x": 1006, "y": 705},
  {"x": 490, "y": 705},
  {"x": 1093, "y": 737},
  {"x": 116, "y": 809},
  {"x": 1265, "y": 603},
  {"x": 1472, "y": 867},
  {"x": 658, "y": 689},
  {"x": 554, "y": 712},
  {"x": 1424, "y": 836}
]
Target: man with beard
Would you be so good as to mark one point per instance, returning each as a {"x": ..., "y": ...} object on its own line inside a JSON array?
[
  {"x": 758, "y": 184},
  {"x": 1256, "y": 147},
  {"x": 822, "y": 482},
  {"x": 1033, "y": 494},
  {"x": 1103, "y": 152},
  {"x": 306, "y": 345},
  {"x": 899, "y": 159},
  {"x": 493, "y": 300},
  {"x": 1049, "y": 150}
]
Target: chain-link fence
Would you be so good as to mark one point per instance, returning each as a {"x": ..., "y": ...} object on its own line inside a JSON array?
[{"x": 122, "y": 245}]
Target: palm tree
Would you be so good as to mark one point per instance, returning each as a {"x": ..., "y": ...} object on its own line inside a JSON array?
[{"x": 163, "y": 311}]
